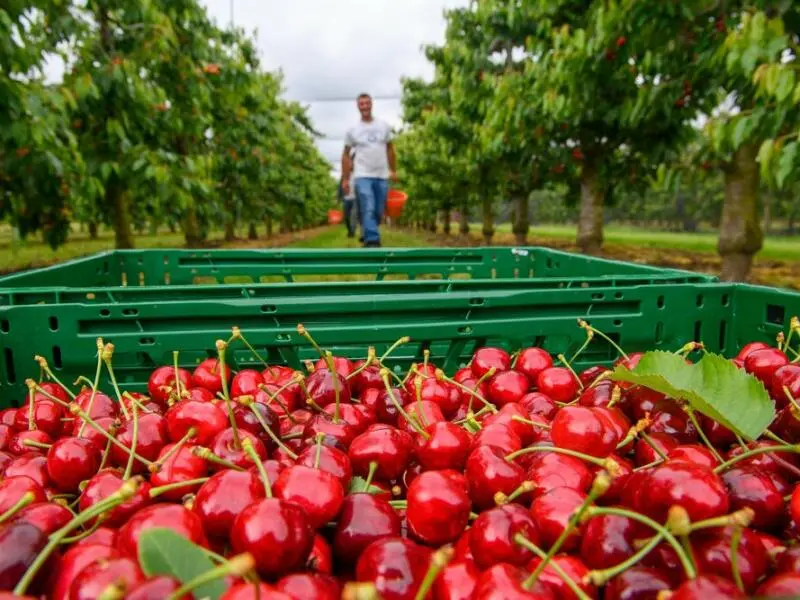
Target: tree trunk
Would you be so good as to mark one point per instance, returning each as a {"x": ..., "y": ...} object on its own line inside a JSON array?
[
  {"x": 522, "y": 223},
  {"x": 173, "y": 228},
  {"x": 740, "y": 235},
  {"x": 488, "y": 220},
  {"x": 268, "y": 226},
  {"x": 252, "y": 234},
  {"x": 93, "y": 233},
  {"x": 191, "y": 228},
  {"x": 446, "y": 220},
  {"x": 590, "y": 220},
  {"x": 286, "y": 224},
  {"x": 464, "y": 221},
  {"x": 117, "y": 199},
  {"x": 230, "y": 233}
]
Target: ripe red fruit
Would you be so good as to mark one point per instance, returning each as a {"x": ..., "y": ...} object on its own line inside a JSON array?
[
  {"x": 438, "y": 506},
  {"x": 95, "y": 578},
  {"x": 72, "y": 460},
  {"x": 32, "y": 465},
  {"x": 747, "y": 349},
  {"x": 488, "y": 472},
  {"x": 220, "y": 499},
  {"x": 276, "y": 533},
  {"x": 20, "y": 543},
  {"x": 487, "y": 358},
  {"x": 173, "y": 516},
  {"x": 607, "y": 540},
  {"x": 504, "y": 582},
  {"x": 332, "y": 460},
  {"x": 558, "y": 383},
  {"x": 13, "y": 488},
  {"x": 396, "y": 566},
  {"x": 707, "y": 587},
  {"x": 753, "y": 488},
  {"x": 784, "y": 585},
  {"x": 315, "y": 586},
  {"x": 492, "y": 534},
  {"x": 208, "y": 375},
  {"x": 105, "y": 483},
  {"x": 208, "y": 419},
  {"x": 387, "y": 446},
  {"x": 447, "y": 447},
  {"x": 75, "y": 560},
  {"x": 152, "y": 437},
  {"x": 316, "y": 491},
  {"x": 457, "y": 581},
  {"x": 714, "y": 550},
  {"x": 552, "y": 510},
  {"x": 697, "y": 489},
  {"x": 161, "y": 586},
  {"x": 245, "y": 383},
  {"x": 363, "y": 519},
  {"x": 47, "y": 516},
  {"x": 585, "y": 430},
  {"x": 321, "y": 386},
  {"x": 539, "y": 404},
  {"x": 575, "y": 570},
  {"x": 507, "y": 387},
  {"x": 181, "y": 466},
  {"x": 162, "y": 384},
  {"x": 549, "y": 470},
  {"x": 763, "y": 363},
  {"x": 46, "y": 415},
  {"x": 787, "y": 376},
  {"x": 532, "y": 361}
]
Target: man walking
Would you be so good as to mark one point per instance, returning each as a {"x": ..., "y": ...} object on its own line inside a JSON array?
[
  {"x": 372, "y": 168},
  {"x": 348, "y": 199}
]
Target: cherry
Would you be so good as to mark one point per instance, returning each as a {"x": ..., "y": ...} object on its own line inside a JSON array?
[
  {"x": 552, "y": 510},
  {"x": 107, "y": 424},
  {"x": 585, "y": 430},
  {"x": 532, "y": 361},
  {"x": 446, "y": 447},
  {"x": 314, "y": 586},
  {"x": 488, "y": 472},
  {"x": 7, "y": 432},
  {"x": 20, "y": 543},
  {"x": 498, "y": 435},
  {"x": 506, "y": 387},
  {"x": 13, "y": 488},
  {"x": 8, "y": 416},
  {"x": 693, "y": 453},
  {"x": 220, "y": 499},
  {"x": 362, "y": 520},
  {"x": 161, "y": 586},
  {"x": 697, "y": 489},
  {"x": 102, "y": 536},
  {"x": 181, "y": 465},
  {"x": 386, "y": 446},
  {"x": 97, "y": 408},
  {"x": 71, "y": 460},
  {"x": 321, "y": 557},
  {"x": 245, "y": 383},
  {"x": 381, "y": 404},
  {"x": 277, "y": 533},
  {"x": 574, "y": 568},
  {"x": 341, "y": 431},
  {"x": 47, "y": 516},
  {"x": 598, "y": 395},
  {"x": 487, "y": 358},
  {"x": 537, "y": 403},
  {"x": 719, "y": 435},
  {"x": 589, "y": 375},
  {"x": 712, "y": 553},
  {"x": 18, "y": 447},
  {"x": 105, "y": 483},
  {"x": 321, "y": 386},
  {"x": 367, "y": 378},
  {"x": 636, "y": 583},
  {"x": 558, "y": 383},
  {"x": 788, "y": 561},
  {"x": 763, "y": 363},
  {"x": 5, "y": 458},
  {"x": 673, "y": 421},
  {"x": 173, "y": 516},
  {"x": 223, "y": 445},
  {"x": 457, "y": 581},
  {"x": 707, "y": 587},
  {"x": 46, "y": 416},
  {"x": 786, "y": 376},
  {"x": 783, "y": 463},
  {"x": 548, "y": 470},
  {"x": 492, "y": 536},
  {"x": 607, "y": 540},
  {"x": 784, "y": 585},
  {"x": 75, "y": 560},
  {"x": 526, "y": 432},
  {"x": 359, "y": 416},
  {"x": 504, "y": 582},
  {"x": 751, "y": 487},
  {"x": 395, "y": 565},
  {"x": 248, "y": 591},
  {"x": 332, "y": 460},
  {"x": 96, "y": 577},
  {"x": 751, "y": 347},
  {"x": 32, "y": 465},
  {"x": 207, "y": 419},
  {"x": 162, "y": 384},
  {"x": 438, "y": 506},
  {"x": 644, "y": 452},
  {"x": 317, "y": 492},
  {"x": 447, "y": 396},
  {"x": 425, "y": 413},
  {"x": 152, "y": 437},
  {"x": 208, "y": 375}
]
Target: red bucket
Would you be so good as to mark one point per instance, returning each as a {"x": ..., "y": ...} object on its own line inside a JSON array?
[
  {"x": 395, "y": 203},
  {"x": 335, "y": 216}
]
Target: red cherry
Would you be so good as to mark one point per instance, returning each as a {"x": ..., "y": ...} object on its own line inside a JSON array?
[
  {"x": 321, "y": 557},
  {"x": 8, "y": 416},
  {"x": 247, "y": 591},
  {"x": 156, "y": 588},
  {"x": 396, "y": 566},
  {"x": 5, "y": 459},
  {"x": 46, "y": 415},
  {"x": 162, "y": 383},
  {"x": 552, "y": 510},
  {"x": 444, "y": 394},
  {"x": 457, "y": 581},
  {"x": 102, "y": 536},
  {"x": 558, "y": 383},
  {"x": 527, "y": 433},
  {"x": 100, "y": 406},
  {"x": 750, "y": 487},
  {"x": 13, "y": 488},
  {"x": 276, "y": 533},
  {"x": 71, "y": 460},
  {"x": 362, "y": 520},
  {"x": 207, "y": 418},
  {"x": 32, "y": 465},
  {"x": 588, "y": 376},
  {"x": 47, "y": 516},
  {"x": 763, "y": 363},
  {"x": 645, "y": 454},
  {"x": 674, "y": 422},
  {"x": 532, "y": 361},
  {"x": 7, "y": 432},
  {"x": 697, "y": 489},
  {"x": 784, "y": 585},
  {"x": 498, "y": 435},
  {"x": 181, "y": 466},
  {"x": 17, "y": 446},
  {"x": 636, "y": 583},
  {"x": 693, "y": 453},
  {"x": 223, "y": 445},
  {"x": 719, "y": 435},
  {"x": 438, "y": 506},
  {"x": 316, "y": 491},
  {"x": 358, "y": 416},
  {"x": 574, "y": 568},
  {"x": 95, "y": 578},
  {"x": 340, "y": 431},
  {"x": 585, "y": 430},
  {"x": 507, "y": 387},
  {"x": 368, "y": 378},
  {"x": 748, "y": 349},
  {"x": 548, "y": 471},
  {"x": 387, "y": 446},
  {"x": 220, "y": 499},
  {"x": 598, "y": 395},
  {"x": 487, "y": 358},
  {"x": 20, "y": 543},
  {"x": 504, "y": 582},
  {"x": 539, "y": 404},
  {"x": 107, "y": 424},
  {"x": 321, "y": 387},
  {"x": 332, "y": 460},
  {"x": 152, "y": 437},
  {"x": 492, "y": 536},
  {"x": 173, "y": 516},
  {"x": 488, "y": 472},
  {"x": 245, "y": 383},
  {"x": 713, "y": 552},
  {"x": 424, "y": 412},
  {"x": 75, "y": 560},
  {"x": 787, "y": 376},
  {"x": 105, "y": 483},
  {"x": 208, "y": 375},
  {"x": 447, "y": 447},
  {"x": 607, "y": 540}
]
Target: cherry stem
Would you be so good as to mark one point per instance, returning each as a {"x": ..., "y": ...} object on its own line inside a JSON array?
[
  {"x": 693, "y": 418},
  {"x": 370, "y": 359},
  {"x": 791, "y": 398},
  {"x": 271, "y": 434},
  {"x": 411, "y": 421},
  {"x": 114, "y": 591},
  {"x": 426, "y": 356},
  {"x": 599, "y": 487},
  {"x": 132, "y": 400},
  {"x": 595, "y": 511},
  {"x": 603, "y": 576},
  {"x": 250, "y": 577},
  {"x": 328, "y": 358},
  {"x": 752, "y": 452},
  {"x": 108, "y": 352},
  {"x": 221, "y": 348},
  {"x": 653, "y": 445},
  {"x": 76, "y": 410},
  {"x": 178, "y": 382},
  {"x": 360, "y": 590},
  {"x": 519, "y": 419},
  {"x": 31, "y": 400},
  {"x": 590, "y": 459},
  {"x": 32, "y": 385},
  {"x": 563, "y": 359},
  {"x": 739, "y": 518},
  {"x": 106, "y": 452},
  {"x": 418, "y": 393},
  {"x": 318, "y": 452},
  {"x": 524, "y": 488},
  {"x": 94, "y": 385},
  {"x": 190, "y": 433},
  {"x": 236, "y": 566},
  {"x": 545, "y": 558},
  {"x": 237, "y": 334},
  {"x": 84, "y": 534},
  {"x": 616, "y": 346},
  {"x": 403, "y": 340},
  {"x": 373, "y": 467},
  {"x": 473, "y": 393},
  {"x": 206, "y": 454},
  {"x": 46, "y": 369},
  {"x": 439, "y": 561},
  {"x": 737, "y": 574},
  {"x": 124, "y": 493},
  {"x": 157, "y": 491},
  {"x": 24, "y": 500},
  {"x": 274, "y": 396},
  {"x": 134, "y": 441},
  {"x": 35, "y": 444},
  {"x": 247, "y": 445},
  {"x": 589, "y": 336}
]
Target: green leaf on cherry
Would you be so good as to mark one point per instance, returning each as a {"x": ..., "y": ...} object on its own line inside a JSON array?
[
  {"x": 713, "y": 386},
  {"x": 164, "y": 552},
  {"x": 357, "y": 485}
]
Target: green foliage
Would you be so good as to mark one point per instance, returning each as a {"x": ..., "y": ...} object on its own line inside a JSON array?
[{"x": 713, "y": 386}]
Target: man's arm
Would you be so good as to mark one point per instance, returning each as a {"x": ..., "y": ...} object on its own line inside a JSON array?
[
  {"x": 347, "y": 169},
  {"x": 392, "y": 161}
]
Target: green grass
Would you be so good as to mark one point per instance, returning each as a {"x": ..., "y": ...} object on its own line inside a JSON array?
[
  {"x": 336, "y": 237},
  {"x": 775, "y": 248}
]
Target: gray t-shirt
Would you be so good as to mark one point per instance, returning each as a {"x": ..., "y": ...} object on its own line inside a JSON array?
[{"x": 369, "y": 140}]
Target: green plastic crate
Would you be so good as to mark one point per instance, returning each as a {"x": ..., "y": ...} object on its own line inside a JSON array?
[
  {"x": 451, "y": 319},
  {"x": 137, "y": 268}
]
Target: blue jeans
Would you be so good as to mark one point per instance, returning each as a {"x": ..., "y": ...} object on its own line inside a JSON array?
[{"x": 371, "y": 193}]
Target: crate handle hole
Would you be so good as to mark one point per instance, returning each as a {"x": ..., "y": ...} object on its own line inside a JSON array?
[
  {"x": 283, "y": 337},
  {"x": 268, "y": 308},
  {"x": 466, "y": 330},
  {"x": 130, "y": 312},
  {"x": 53, "y": 323},
  {"x": 11, "y": 374},
  {"x": 660, "y": 302},
  {"x": 57, "y": 357},
  {"x": 5, "y": 326},
  {"x": 659, "y": 332},
  {"x": 105, "y": 313},
  {"x": 725, "y": 300},
  {"x": 598, "y": 296},
  {"x": 776, "y": 314},
  {"x": 476, "y": 301},
  {"x": 618, "y": 296},
  {"x": 617, "y": 322},
  {"x": 700, "y": 300},
  {"x": 147, "y": 341}
]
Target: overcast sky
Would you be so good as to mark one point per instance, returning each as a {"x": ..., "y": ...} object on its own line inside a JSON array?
[{"x": 339, "y": 48}]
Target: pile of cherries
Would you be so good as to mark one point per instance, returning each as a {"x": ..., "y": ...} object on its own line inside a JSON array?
[{"x": 516, "y": 478}]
